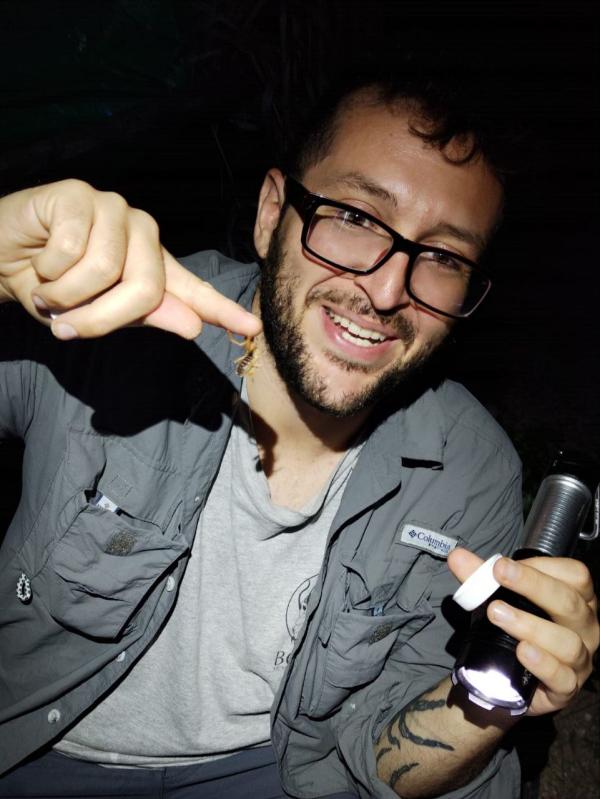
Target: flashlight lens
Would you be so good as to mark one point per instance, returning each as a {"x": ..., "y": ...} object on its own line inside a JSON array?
[
  {"x": 490, "y": 688},
  {"x": 492, "y": 684}
]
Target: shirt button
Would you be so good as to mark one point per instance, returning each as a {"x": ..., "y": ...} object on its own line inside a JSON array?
[
  {"x": 170, "y": 583},
  {"x": 196, "y": 499},
  {"x": 120, "y": 657},
  {"x": 54, "y": 716}
]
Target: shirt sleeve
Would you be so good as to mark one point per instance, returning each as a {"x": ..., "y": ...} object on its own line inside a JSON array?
[
  {"x": 18, "y": 369},
  {"x": 421, "y": 664}
]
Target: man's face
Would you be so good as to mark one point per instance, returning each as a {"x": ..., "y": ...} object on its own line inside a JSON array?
[{"x": 342, "y": 341}]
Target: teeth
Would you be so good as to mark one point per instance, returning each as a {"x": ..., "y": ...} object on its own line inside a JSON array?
[
  {"x": 361, "y": 342},
  {"x": 354, "y": 333}
]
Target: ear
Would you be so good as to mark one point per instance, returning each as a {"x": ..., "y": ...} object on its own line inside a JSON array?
[{"x": 270, "y": 203}]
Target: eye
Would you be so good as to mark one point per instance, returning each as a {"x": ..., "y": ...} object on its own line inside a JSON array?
[
  {"x": 349, "y": 222},
  {"x": 445, "y": 261},
  {"x": 353, "y": 219}
]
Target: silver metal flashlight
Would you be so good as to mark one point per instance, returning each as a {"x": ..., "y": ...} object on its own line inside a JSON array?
[{"x": 487, "y": 665}]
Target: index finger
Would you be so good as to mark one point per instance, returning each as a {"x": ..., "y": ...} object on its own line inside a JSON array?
[
  {"x": 567, "y": 570},
  {"x": 207, "y": 302},
  {"x": 554, "y": 594}
]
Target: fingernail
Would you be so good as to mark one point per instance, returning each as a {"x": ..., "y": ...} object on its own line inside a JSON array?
[
  {"x": 509, "y": 570},
  {"x": 64, "y": 331},
  {"x": 39, "y": 303},
  {"x": 502, "y": 612}
]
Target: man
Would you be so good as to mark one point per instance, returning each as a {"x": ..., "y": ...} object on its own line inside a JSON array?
[{"x": 307, "y": 617}]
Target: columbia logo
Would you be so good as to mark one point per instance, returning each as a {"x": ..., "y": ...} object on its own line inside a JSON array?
[{"x": 430, "y": 540}]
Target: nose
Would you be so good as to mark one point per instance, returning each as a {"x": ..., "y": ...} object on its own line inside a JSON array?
[{"x": 386, "y": 287}]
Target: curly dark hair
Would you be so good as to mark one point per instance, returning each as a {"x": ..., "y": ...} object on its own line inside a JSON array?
[{"x": 441, "y": 108}]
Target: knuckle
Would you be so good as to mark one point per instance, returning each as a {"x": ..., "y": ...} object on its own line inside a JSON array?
[
  {"x": 571, "y": 603},
  {"x": 117, "y": 201},
  {"x": 145, "y": 220},
  {"x": 569, "y": 679},
  {"x": 574, "y": 650},
  {"x": 76, "y": 185},
  {"x": 107, "y": 266},
  {"x": 581, "y": 575},
  {"x": 71, "y": 245},
  {"x": 560, "y": 678},
  {"x": 194, "y": 331},
  {"x": 149, "y": 294}
]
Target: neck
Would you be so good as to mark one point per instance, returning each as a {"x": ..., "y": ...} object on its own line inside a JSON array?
[{"x": 283, "y": 421}]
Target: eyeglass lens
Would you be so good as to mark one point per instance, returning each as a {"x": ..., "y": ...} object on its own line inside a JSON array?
[{"x": 353, "y": 241}]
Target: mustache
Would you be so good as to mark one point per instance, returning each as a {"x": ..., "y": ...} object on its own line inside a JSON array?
[{"x": 402, "y": 327}]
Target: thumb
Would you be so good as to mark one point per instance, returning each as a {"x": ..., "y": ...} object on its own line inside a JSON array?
[{"x": 462, "y": 563}]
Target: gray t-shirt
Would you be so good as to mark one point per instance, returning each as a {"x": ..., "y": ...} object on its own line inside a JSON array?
[{"x": 205, "y": 687}]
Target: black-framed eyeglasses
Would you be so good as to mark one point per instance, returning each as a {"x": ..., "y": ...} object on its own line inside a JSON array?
[{"x": 353, "y": 240}]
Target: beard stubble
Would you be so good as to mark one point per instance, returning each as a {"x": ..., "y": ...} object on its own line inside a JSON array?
[{"x": 283, "y": 336}]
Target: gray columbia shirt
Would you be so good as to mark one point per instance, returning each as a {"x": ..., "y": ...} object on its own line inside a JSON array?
[{"x": 144, "y": 418}]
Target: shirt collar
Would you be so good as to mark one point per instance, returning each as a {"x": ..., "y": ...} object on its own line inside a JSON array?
[{"x": 410, "y": 437}]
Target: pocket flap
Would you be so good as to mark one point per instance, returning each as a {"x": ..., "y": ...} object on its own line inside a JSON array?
[
  {"x": 144, "y": 489},
  {"x": 360, "y": 644},
  {"x": 356, "y": 653},
  {"x": 103, "y": 567}
]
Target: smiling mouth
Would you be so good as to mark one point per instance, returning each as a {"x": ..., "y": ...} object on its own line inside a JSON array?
[{"x": 355, "y": 334}]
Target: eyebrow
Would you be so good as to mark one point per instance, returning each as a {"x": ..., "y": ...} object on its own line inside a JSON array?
[
  {"x": 357, "y": 180},
  {"x": 460, "y": 233}
]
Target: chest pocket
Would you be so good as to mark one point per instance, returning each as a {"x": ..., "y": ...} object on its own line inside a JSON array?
[
  {"x": 355, "y": 652},
  {"x": 351, "y": 649},
  {"x": 100, "y": 565}
]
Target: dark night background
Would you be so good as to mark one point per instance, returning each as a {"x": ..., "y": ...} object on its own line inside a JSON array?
[{"x": 181, "y": 106}]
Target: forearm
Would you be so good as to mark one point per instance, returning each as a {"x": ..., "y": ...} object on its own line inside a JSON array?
[{"x": 436, "y": 744}]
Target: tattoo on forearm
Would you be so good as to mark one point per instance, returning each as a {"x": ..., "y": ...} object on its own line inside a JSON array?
[
  {"x": 418, "y": 706},
  {"x": 398, "y": 729},
  {"x": 382, "y": 752},
  {"x": 400, "y": 772}
]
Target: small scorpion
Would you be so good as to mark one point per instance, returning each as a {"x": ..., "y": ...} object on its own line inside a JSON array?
[{"x": 246, "y": 363}]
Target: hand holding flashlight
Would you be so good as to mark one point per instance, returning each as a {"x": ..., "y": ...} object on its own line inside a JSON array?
[
  {"x": 521, "y": 617},
  {"x": 558, "y": 651}
]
